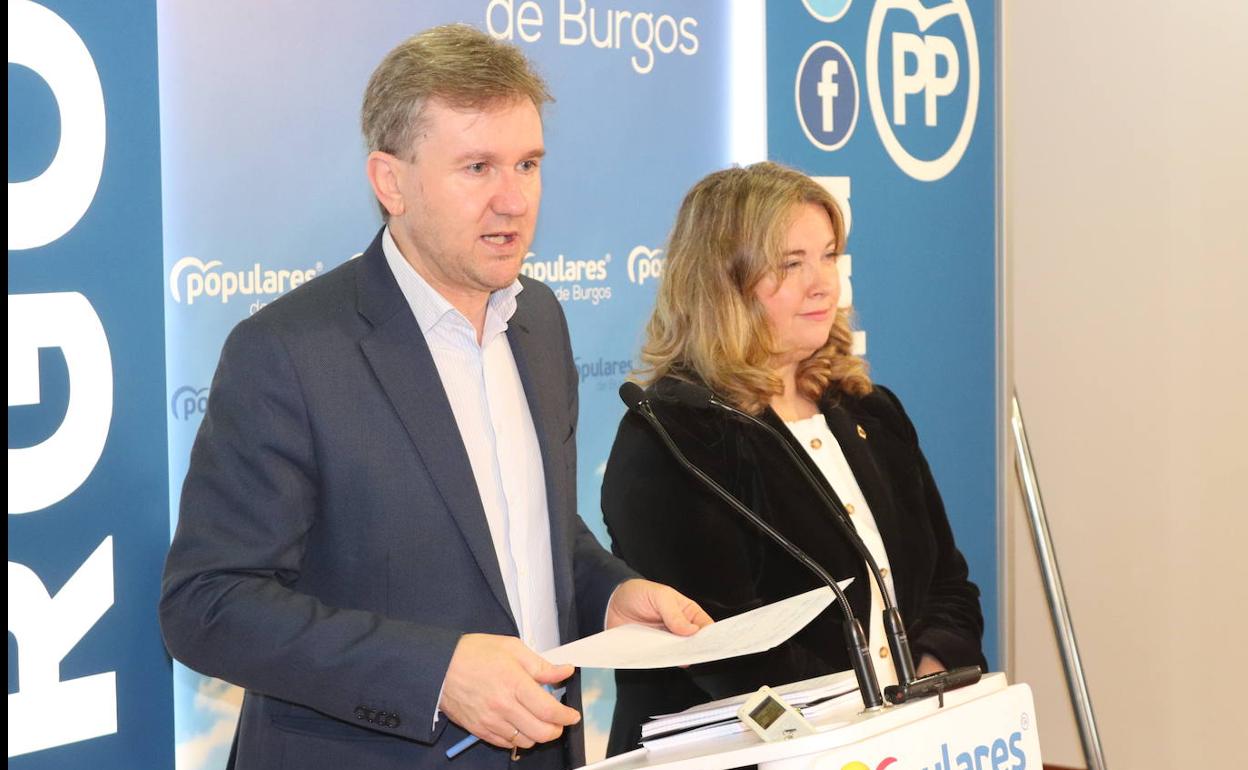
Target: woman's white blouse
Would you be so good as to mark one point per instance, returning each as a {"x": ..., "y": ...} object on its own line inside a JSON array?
[{"x": 813, "y": 434}]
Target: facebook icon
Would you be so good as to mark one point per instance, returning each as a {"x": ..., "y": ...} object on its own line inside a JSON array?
[{"x": 826, "y": 95}]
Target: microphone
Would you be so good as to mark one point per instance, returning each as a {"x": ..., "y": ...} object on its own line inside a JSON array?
[
  {"x": 856, "y": 642},
  {"x": 936, "y": 684},
  {"x": 908, "y": 685}
]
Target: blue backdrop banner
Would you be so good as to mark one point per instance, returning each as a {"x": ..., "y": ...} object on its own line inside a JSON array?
[
  {"x": 243, "y": 166},
  {"x": 88, "y": 677},
  {"x": 892, "y": 106}
]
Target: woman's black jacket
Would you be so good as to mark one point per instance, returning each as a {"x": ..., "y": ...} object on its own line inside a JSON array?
[{"x": 671, "y": 529}]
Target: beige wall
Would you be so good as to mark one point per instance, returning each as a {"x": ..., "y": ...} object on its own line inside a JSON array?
[{"x": 1126, "y": 183}]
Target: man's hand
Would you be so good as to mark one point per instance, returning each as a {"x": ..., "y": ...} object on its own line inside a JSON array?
[
  {"x": 493, "y": 689},
  {"x": 656, "y": 605}
]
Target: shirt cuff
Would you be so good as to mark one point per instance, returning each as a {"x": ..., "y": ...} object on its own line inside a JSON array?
[
  {"x": 437, "y": 712},
  {"x": 607, "y": 612}
]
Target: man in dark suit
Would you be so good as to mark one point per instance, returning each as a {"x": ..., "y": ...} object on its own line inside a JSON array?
[{"x": 378, "y": 527}]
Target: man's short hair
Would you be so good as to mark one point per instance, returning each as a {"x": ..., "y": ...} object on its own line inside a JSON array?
[{"x": 456, "y": 64}]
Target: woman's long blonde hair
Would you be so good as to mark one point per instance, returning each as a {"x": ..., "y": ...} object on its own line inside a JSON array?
[{"x": 707, "y": 324}]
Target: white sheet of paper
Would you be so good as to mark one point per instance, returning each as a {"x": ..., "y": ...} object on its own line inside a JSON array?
[{"x": 635, "y": 646}]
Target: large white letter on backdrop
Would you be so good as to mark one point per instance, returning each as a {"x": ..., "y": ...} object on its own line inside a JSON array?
[
  {"x": 47, "y": 711},
  {"x": 45, "y": 474},
  {"x": 46, "y": 207}
]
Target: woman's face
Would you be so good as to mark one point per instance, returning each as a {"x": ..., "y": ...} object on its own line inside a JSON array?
[{"x": 801, "y": 301}]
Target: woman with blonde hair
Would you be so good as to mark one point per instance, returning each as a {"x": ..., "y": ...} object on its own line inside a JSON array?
[{"x": 748, "y": 308}]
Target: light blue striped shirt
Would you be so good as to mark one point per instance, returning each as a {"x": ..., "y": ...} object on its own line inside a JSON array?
[{"x": 487, "y": 398}]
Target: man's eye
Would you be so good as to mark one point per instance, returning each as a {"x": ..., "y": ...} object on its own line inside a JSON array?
[
  {"x": 476, "y": 168},
  {"x": 528, "y": 165}
]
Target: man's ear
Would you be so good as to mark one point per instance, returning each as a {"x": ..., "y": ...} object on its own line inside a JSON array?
[{"x": 384, "y": 173}]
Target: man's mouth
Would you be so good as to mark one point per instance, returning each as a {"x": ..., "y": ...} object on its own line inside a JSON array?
[{"x": 499, "y": 239}]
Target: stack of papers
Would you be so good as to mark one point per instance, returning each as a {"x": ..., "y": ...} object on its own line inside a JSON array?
[{"x": 812, "y": 697}]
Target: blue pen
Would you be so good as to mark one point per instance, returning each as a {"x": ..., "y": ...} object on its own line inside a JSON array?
[
  {"x": 460, "y": 747},
  {"x": 470, "y": 740}
]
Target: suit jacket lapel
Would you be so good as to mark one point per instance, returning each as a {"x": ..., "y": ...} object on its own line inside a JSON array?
[
  {"x": 400, "y": 358},
  {"x": 543, "y": 376}
]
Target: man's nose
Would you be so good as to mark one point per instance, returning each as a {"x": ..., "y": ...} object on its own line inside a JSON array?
[{"x": 511, "y": 196}]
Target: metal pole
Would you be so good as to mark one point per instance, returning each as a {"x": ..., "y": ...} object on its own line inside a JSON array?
[{"x": 1062, "y": 626}]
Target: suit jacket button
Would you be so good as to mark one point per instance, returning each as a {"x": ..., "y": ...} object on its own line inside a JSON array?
[{"x": 360, "y": 713}]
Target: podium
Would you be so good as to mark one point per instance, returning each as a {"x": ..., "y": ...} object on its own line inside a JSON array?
[{"x": 988, "y": 726}]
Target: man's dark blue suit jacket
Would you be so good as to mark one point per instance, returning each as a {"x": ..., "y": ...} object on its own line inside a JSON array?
[{"x": 332, "y": 546}]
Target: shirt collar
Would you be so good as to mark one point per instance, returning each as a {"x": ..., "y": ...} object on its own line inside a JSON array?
[{"x": 430, "y": 307}]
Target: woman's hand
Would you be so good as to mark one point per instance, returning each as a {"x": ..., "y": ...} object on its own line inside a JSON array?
[{"x": 928, "y": 664}]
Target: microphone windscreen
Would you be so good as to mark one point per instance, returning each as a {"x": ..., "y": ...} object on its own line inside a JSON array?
[{"x": 632, "y": 395}]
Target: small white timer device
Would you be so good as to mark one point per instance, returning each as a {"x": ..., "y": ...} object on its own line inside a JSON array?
[{"x": 774, "y": 720}]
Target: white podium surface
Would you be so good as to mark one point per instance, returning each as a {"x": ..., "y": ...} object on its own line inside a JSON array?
[{"x": 988, "y": 726}]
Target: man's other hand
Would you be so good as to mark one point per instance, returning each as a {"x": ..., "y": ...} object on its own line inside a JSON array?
[{"x": 494, "y": 690}]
